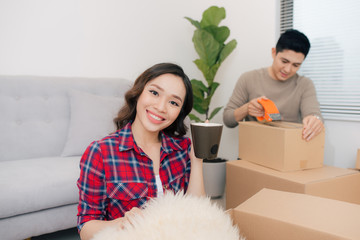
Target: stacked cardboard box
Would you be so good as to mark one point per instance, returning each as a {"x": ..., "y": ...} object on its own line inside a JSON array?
[
  {"x": 280, "y": 146},
  {"x": 277, "y": 159},
  {"x": 275, "y": 156},
  {"x": 244, "y": 179},
  {"x": 280, "y": 215}
]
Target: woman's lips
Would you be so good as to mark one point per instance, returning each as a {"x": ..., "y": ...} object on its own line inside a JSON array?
[{"x": 154, "y": 117}]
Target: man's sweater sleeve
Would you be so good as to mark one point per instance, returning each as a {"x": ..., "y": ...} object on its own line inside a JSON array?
[
  {"x": 238, "y": 98},
  {"x": 309, "y": 103}
]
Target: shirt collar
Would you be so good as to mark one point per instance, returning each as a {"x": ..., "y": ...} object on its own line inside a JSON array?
[
  {"x": 169, "y": 144},
  {"x": 126, "y": 140}
]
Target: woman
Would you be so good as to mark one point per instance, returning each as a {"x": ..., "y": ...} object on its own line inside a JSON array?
[{"x": 145, "y": 156}]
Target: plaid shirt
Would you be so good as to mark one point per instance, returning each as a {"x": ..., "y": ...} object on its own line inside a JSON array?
[{"x": 116, "y": 175}]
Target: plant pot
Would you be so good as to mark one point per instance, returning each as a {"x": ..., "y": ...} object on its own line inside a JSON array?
[{"x": 214, "y": 171}]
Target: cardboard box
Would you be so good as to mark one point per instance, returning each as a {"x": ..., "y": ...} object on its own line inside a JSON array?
[
  {"x": 280, "y": 146},
  {"x": 272, "y": 214},
  {"x": 357, "y": 166},
  {"x": 244, "y": 179}
]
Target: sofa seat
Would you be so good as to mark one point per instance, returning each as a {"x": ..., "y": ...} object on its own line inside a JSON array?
[
  {"x": 46, "y": 123},
  {"x": 31, "y": 185}
]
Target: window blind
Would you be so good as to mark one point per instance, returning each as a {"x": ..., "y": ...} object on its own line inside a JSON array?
[{"x": 333, "y": 62}]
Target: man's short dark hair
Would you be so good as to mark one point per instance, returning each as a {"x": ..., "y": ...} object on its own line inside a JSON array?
[{"x": 293, "y": 40}]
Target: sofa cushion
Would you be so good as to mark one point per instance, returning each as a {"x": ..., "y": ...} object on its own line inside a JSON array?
[
  {"x": 91, "y": 118},
  {"x": 35, "y": 112},
  {"x": 36, "y": 184}
]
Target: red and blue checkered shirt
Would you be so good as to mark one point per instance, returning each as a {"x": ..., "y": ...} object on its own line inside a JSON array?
[{"x": 116, "y": 175}]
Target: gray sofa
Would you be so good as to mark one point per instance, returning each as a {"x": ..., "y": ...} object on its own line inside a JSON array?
[{"x": 45, "y": 125}]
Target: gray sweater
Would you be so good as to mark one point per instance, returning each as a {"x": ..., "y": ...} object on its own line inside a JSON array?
[{"x": 295, "y": 98}]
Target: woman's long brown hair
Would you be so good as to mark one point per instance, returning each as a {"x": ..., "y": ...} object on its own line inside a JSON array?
[{"x": 128, "y": 112}]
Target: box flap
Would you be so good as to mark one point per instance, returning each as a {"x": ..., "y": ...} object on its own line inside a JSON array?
[
  {"x": 302, "y": 176},
  {"x": 282, "y": 124},
  {"x": 337, "y": 218},
  {"x": 277, "y": 124}
]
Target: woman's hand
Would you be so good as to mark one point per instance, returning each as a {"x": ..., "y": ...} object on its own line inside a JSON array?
[
  {"x": 128, "y": 217},
  {"x": 92, "y": 227}
]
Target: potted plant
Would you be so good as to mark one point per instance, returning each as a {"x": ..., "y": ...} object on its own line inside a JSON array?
[{"x": 209, "y": 42}]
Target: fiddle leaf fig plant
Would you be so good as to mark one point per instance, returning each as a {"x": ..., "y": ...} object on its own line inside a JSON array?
[{"x": 209, "y": 42}]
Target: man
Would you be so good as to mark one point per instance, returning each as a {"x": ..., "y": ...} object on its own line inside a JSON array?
[{"x": 294, "y": 95}]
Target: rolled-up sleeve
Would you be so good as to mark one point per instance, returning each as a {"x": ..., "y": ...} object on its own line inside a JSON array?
[{"x": 92, "y": 187}]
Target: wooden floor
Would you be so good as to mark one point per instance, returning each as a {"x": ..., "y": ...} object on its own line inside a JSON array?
[{"x": 69, "y": 234}]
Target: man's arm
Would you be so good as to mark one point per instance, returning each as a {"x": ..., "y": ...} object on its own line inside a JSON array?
[
  {"x": 237, "y": 107},
  {"x": 310, "y": 108}
]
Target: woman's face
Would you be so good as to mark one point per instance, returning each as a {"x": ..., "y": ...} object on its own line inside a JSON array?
[{"x": 160, "y": 102}]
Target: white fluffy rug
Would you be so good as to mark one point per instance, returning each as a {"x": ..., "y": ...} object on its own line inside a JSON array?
[{"x": 174, "y": 217}]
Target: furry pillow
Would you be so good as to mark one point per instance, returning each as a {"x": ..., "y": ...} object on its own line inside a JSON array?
[{"x": 174, "y": 217}]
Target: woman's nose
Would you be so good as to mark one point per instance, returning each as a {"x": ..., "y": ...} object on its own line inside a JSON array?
[{"x": 161, "y": 105}]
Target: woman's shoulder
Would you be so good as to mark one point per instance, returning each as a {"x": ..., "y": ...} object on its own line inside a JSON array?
[{"x": 111, "y": 139}]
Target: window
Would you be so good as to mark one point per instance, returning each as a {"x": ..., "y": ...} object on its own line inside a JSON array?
[{"x": 333, "y": 62}]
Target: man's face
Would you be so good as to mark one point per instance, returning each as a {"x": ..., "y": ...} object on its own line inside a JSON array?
[{"x": 285, "y": 64}]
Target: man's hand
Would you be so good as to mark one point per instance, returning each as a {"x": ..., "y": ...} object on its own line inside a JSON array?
[
  {"x": 255, "y": 109},
  {"x": 312, "y": 126}
]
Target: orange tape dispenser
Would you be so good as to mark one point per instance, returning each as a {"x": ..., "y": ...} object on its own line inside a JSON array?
[{"x": 271, "y": 113}]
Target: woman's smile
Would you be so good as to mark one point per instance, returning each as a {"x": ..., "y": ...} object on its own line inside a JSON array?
[{"x": 154, "y": 118}]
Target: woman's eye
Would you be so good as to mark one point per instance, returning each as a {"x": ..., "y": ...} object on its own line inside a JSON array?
[
  {"x": 174, "y": 103},
  {"x": 154, "y": 92}
]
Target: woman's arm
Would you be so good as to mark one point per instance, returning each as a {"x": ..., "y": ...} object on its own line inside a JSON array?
[
  {"x": 196, "y": 182},
  {"x": 92, "y": 227}
]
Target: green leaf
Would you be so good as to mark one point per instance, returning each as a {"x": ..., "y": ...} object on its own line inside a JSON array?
[
  {"x": 198, "y": 88},
  {"x": 194, "y": 22},
  {"x": 228, "y": 48},
  {"x": 213, "y": 87},
  {"x": 212, "y": 72},
  {"x": 219, "y": 33},
  {"x": 194, "y": 118},
  {"x": 200, "y": 105},
  {"x": 206, "y": 46},
  {"x": 202, "y": 66},
  {"x": 212, "y": 16},
  {"x": 213, "y": 113}
]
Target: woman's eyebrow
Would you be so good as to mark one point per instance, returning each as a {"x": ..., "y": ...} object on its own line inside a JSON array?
[{"x": 161, "y": 89}]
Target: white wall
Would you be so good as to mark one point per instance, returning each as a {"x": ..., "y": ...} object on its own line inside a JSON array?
[
  {"x": 341, "y": 143},
  {"x": 113, "y": 38}
]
